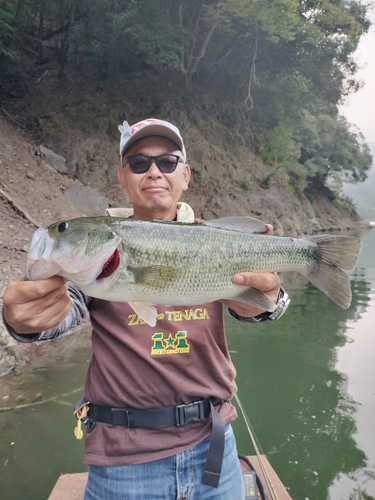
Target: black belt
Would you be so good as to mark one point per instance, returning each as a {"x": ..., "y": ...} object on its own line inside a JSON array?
[{"x": 165, "y": 417}]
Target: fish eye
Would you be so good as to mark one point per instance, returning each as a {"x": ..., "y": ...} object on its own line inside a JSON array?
[{"x": 63, "y": 226}]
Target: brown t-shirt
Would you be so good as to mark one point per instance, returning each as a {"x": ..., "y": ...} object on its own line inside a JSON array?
[{"x": 182, "y": 359}]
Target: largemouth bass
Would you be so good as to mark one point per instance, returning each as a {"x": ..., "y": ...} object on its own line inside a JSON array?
[{"x": 157, "y": 262}]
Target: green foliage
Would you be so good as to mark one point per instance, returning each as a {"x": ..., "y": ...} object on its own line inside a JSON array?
[
  {"x": 310, "y": 197},
  {"x": 285, "y": 64},
  {"x": 7, "y": 32},
  {"x": 277, "y": 150},
  {"x": 282, "y": 153},
  {"x": 340, "y": 201},
  {"x": 329, "y": 146},
  {"x": 138, "y": 35},
  {"x": 363, "y": 194},
  {"x": 345, "y": 204}
]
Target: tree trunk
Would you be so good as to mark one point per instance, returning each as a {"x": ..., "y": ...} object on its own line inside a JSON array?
[
  {"x": 66, "y": 44},
  {"x": 41, "y": 31},
  {"x": 195, "y": 60}
]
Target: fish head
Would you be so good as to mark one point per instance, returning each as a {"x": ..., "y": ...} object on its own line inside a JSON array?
[{"x": 81, "y": 250}]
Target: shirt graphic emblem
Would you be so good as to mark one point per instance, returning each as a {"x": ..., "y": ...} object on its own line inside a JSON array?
[{"x": 170, "y": 345}]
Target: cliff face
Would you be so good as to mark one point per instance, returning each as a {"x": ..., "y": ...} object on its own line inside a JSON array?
[{"x": 82, "y": 130}]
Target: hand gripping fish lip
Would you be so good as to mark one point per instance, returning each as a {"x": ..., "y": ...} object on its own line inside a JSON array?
[{"x": 110, "y": 266}]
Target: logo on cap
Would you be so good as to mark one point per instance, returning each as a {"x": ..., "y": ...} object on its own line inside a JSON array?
[{"x": 144, "y": 123}]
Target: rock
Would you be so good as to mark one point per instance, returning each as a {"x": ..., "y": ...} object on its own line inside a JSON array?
[
  {"x": 17, "y": 371},
  {"x": 55, "y": 160},
  {"x": 16, "y": 350},
  {"x": 20, "y": 398},
  {"x": 87, "y": 200},
  {"x": 87, "y": 163},
  {"x": 7, "y": 363}
]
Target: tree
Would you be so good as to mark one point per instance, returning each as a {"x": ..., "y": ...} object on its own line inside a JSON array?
[
  {"x": 279, "y": 151},
  {"x": 279, "y": 67},
  {"x": 7, "y": 32},
  {"x": 330, "y": 146}
]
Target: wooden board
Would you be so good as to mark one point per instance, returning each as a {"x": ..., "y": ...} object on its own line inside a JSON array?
[
  {"x": 69, "y": 487},
  {"x": 276, "y": 483}
]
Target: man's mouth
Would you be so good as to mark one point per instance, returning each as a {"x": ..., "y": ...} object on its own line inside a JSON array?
[
  {"x": 154, "y": 188},
  {"x": 110, "y": 265}
]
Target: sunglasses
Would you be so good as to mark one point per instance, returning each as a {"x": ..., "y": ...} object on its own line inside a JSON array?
[{"x": 140, "y": 164}]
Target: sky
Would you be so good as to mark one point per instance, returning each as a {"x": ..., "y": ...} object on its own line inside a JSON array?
[{"x": 359, "y": 108}]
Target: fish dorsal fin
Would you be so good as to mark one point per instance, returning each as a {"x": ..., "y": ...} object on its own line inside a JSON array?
[
  {"x": 255, "y": 297},
  {"x": 154, "y": 276},
  {"x": 145, "y": 311},
  {"x": 243, "y": 224}
]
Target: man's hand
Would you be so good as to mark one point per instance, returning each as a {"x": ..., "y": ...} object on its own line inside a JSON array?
[
  {"x": 268, "y": 283},
  {"x": 35, "y": 306}
]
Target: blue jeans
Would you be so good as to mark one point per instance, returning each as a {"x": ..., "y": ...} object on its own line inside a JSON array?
[{"x": 173, "y": 478}]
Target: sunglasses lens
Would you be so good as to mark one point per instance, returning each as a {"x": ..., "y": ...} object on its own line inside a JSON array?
[
  {"x": 167, "y": 163},
  {"x": 139, "y": 165}
]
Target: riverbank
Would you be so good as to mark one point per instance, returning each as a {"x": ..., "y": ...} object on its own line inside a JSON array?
[
  {"x": 34, "y": 193},
  {"x": 31, "y": 360}
]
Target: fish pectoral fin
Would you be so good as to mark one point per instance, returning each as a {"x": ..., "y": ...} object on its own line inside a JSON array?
[
  {"x": 255, "y": 297},
  {"x": 242, "y": 224},
  {"x": 154, "y": 276},
  {"x": 145, "y": 311}
]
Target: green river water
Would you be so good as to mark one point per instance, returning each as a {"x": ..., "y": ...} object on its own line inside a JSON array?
[{"x": 307, "y": 383}]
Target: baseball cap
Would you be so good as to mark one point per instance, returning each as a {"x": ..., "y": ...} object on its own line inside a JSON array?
[{"x": 146, "y": 128}]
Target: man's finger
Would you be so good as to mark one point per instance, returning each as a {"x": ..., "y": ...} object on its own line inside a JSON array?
[
  {"x": 262, "y": 281},
  {"x": 269, "y": 230},
  {"x": 22, "y": 291}
]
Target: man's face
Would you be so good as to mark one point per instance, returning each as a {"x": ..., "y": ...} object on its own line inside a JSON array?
[{"x": 154, "y": 195}]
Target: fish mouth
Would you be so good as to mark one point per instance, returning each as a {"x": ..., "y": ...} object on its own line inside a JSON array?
[{"x": 110, "y": 265}]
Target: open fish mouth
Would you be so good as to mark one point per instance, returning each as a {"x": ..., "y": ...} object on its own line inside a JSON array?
[{"x": 110, "y": 265}]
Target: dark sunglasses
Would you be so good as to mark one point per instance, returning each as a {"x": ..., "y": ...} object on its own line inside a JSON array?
[{"x": 140, "y": 164}]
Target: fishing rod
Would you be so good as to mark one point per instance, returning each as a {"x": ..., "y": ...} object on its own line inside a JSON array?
[{"x": 274, "y": 495}]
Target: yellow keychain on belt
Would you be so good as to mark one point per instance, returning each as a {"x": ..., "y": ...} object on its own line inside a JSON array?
[{"x": 81, "y": 414}]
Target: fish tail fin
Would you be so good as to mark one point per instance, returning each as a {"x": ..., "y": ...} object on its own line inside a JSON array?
[{"x": 335, "y": 255}]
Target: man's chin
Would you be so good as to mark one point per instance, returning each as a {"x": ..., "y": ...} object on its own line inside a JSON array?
[{"x": 157, "y": 209}]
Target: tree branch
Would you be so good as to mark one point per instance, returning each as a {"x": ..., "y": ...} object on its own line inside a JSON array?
[{"x": 253, "y": 77}]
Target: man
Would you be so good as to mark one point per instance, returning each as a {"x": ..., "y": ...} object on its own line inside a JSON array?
[{"x": 158, "y": 398}]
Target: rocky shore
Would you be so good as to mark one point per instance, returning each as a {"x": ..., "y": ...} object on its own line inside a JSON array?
[{"x": 35, "y": 191}]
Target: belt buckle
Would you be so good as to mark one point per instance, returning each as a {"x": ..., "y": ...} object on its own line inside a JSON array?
[{"x": 192, "y": 412}]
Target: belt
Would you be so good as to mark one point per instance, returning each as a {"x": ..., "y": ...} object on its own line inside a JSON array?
[{"x": 179, "y": 415}]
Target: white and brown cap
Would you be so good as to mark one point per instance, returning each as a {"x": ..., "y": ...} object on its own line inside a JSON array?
[{"x": 146, "y": 128}]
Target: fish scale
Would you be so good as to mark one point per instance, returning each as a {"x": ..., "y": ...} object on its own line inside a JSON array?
[{"x": 185, "y": 264}]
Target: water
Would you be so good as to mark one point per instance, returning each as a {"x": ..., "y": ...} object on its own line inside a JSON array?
[
  {"x": 308, "y": 386},
  {"x": 307, "y": 383},
  {"x": 37, "y": 443}
]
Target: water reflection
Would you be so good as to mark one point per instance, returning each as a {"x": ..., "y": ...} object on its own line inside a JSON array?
[
  {"x": 356, "y": 360},
  {"x": 296, "y": 398}
]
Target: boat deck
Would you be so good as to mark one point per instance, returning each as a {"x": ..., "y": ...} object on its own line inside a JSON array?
[{"x": 273, "y": 483}]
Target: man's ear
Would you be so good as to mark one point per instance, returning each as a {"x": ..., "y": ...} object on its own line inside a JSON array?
[
  {"x": 121, "y": 177},
  {"x": 187, "y": 175}
]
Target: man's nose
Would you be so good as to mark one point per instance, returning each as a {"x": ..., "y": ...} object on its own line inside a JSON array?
[{"x": 153, "y": 170}]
